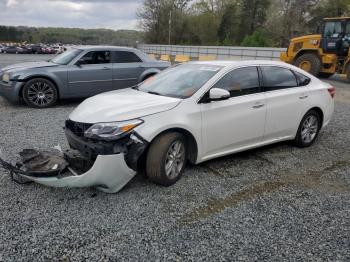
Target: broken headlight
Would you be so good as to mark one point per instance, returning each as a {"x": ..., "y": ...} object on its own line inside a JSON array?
[{"x": 111, "y": 131}]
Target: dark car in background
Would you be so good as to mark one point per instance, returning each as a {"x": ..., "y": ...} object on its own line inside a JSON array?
[
  {"x": 11, "y": 50},
  {"x": 36, "y": 49},
  {"x": 79, "y": 72}
]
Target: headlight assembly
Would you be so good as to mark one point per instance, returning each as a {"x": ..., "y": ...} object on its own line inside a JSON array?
[
  {"x": 111, "y": 131},
  {"x": 6, "y": 78}
]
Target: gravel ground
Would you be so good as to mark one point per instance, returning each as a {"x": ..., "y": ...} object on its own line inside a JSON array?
[{"x": 274, "y": 203}]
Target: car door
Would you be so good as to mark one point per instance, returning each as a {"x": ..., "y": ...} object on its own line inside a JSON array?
[
  {"x": 127, "y": 68},
  {"x": 238, "y": 122},
  {"x": 286, "y": 101},
  {"x": 92, "y": 74}
]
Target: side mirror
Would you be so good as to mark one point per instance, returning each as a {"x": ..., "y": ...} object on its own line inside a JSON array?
[
  {"x": 80, "y": 62},
  {"x": 217, "y": 94}
]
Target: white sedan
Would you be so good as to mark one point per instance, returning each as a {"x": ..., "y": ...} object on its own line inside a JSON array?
[{"x": 193, "y": 112}]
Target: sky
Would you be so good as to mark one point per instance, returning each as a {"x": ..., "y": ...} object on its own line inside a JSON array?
[{"x": 111, "y": 14}]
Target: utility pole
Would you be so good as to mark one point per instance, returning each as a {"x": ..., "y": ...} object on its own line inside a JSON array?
[{"x": 169, "y": 37}]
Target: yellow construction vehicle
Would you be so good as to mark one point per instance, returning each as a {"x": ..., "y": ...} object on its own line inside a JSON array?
[{"x": 323, "y": 54}]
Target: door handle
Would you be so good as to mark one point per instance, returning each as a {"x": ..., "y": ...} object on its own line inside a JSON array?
[
  {"x": 303, "y": 96},
  {"x": 105, "y": 68},
  {"x": 258, "y": 105}
]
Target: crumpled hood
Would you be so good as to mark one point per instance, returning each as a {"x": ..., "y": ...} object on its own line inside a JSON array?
[
  {"x": 28, "y": 65},
  {"x": 121, "y": 105}
]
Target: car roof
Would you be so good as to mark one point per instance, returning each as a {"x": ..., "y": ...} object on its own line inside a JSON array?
[
  {"x": 99, "y": 47},
  {"x": 227, "y": 63}
]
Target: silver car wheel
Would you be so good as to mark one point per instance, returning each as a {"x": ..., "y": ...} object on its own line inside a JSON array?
[
  {"x": 41, "y": 94},
  {"x": 309, "y": 129},
  {"x": 175, "y": 159}
]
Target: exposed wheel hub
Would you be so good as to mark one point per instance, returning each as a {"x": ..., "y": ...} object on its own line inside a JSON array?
[{"x": 305, "y": 65}]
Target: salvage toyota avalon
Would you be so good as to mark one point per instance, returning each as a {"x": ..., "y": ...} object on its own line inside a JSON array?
[{"x": 192, "y": 112}]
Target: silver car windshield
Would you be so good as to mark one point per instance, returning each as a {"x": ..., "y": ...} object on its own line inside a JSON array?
[
  {"x": 181, "y": 81},
  {"x": 66, "y": 57}
]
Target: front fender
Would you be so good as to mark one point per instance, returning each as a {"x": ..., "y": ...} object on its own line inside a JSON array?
[{"x": 59, "y": 79}]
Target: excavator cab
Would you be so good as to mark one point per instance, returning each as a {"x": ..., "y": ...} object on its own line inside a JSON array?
[{"x": 323, "y": 54}]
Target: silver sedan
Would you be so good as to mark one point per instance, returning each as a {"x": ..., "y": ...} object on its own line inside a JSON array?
[{"x": 79, "y": 72}]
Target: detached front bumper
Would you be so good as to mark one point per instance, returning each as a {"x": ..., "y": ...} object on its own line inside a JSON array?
[
  {"x": 108, "y": 166},
  {"x": 109, "y": 174}
]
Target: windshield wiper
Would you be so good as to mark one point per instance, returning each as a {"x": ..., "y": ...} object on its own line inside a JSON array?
[
  {"x": 154, "y": 93},
  {"x": 135, "y": 87}
]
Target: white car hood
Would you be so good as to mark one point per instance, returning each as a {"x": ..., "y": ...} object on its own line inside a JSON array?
[{"x": 121, "y": 105}]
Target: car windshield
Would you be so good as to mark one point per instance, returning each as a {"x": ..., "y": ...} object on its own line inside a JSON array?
[
  {"x": 66, "y": 57},
  {"x": 181, "y": 81}
]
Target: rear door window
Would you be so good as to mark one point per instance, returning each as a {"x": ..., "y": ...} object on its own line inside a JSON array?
[
  {"x": 276, "y": 78},
  {"x": 126, "y": 57},
  {"x": 241, "y": 81}
]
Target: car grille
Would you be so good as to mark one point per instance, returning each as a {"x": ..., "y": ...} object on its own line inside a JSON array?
[{"x": 77, "y": 128}]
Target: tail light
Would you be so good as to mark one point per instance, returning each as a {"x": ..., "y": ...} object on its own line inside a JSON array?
[{"x": 331, "y": 91}]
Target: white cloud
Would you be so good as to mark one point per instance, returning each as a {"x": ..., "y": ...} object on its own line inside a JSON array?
[
  {"x": 118, "y": 14},
  {"x": 11, "y": 3}
]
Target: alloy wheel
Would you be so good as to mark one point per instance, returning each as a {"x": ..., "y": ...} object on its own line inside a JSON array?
[
  {"x": 175, "y": 159},
  {"x": 41, "y": 94},
  {"x": 309, "y": 129}
]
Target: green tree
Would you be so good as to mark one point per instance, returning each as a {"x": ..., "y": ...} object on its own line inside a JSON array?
[
  {"x": 257, "y": 39},
  {"x": 253, "y": 16},
  {"x": 229, "y": 27}
]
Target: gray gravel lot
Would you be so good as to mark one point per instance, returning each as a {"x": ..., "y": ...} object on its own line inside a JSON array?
[{"x": 274, "y": 203}]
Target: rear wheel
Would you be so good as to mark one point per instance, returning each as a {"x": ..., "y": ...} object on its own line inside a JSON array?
[
  {"x": 166, "y": 159},
  {"x": 308, "y": 129},
  {"x": 40, "y": 93},
  {"x": 311, "y": 63}
]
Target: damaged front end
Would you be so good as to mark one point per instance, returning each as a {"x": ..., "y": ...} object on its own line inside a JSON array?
[{"x": 106, "y": 165}]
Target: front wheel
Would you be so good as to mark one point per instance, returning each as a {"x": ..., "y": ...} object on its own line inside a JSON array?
[
  {"x": 40, "y": 93},
  {"x": 166, "y": 159},
  {"x": 308, "y": 130},
  {"x": 310, "y": 63}
]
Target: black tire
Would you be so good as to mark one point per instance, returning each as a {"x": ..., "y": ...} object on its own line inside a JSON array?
[
  {"x": 313, "y": 60},
  {"x": 325, "y": 75},
  {"x": 299, "y": 138},
  {"x": 39, "y": 93},
  {"x": 157, "y": 158}
]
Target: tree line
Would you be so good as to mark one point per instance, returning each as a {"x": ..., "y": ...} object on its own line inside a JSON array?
[
  {"x": 235, "y": 22},
  {"x": 70, "y": 36}
]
